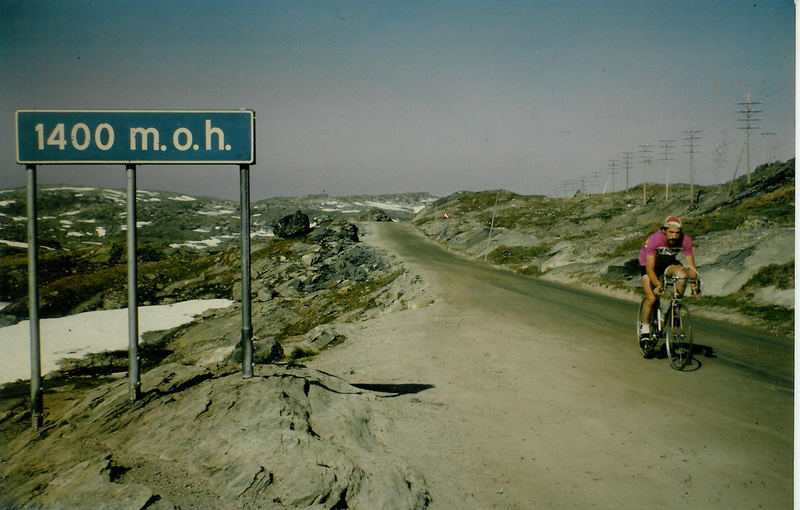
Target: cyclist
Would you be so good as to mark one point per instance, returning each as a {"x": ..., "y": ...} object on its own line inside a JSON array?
[{"x": 657, "y": 259}]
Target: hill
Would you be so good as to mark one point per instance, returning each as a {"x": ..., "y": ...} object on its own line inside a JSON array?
[{"x": 743, "y": 234}]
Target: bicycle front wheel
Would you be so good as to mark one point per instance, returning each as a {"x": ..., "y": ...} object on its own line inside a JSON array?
[{"x": 679, "y": 337}]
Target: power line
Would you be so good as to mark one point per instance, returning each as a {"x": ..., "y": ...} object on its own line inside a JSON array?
[
  {"x": 647, "y": 158},
  {"x": 628, "y": 156},
  {"x": 613, "y": 171},
  {"x": 691, "y": 136},
  {"x": 748, "y": 120},
  {"x": 720, "y": 157},
  {"x": 769, "y": 148},
  {"x": 596, "y": 176},
  {"x": 666, "y": 147}
]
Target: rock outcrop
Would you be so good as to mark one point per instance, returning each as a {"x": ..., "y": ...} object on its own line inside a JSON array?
[
  {"x": 205, "y": 437},
  {"x": 292, "y": 225}
]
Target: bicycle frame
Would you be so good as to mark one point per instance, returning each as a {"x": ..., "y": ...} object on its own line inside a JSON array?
[{"x": 670, "y": 322}]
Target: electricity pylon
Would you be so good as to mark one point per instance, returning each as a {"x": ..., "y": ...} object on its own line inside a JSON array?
[
  {"x": 666, "y": 147},
  {"x": 691, "y": 137},
  {"x": 628, "y": 156},
  {"x": 613, "y": 171},
  {"x": 769, "y": 149},
  {"x": 647, "y": 158},
  {"x": 748, "y": 120}
]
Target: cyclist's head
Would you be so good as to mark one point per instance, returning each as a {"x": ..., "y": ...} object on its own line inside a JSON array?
[
  {"x": 672, "y": 221},
  {"x": 672, "y": 230}
]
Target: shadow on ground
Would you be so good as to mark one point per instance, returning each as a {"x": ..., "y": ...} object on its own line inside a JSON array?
[{"x": 395, "y": 390}]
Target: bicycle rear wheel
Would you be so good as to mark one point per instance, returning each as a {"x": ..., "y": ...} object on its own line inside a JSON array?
[{"x": 679, "y": 337}]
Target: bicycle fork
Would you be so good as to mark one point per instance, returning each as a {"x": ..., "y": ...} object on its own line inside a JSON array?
[{"x": 661, "y": 315}]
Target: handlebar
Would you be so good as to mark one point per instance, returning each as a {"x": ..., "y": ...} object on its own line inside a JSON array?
[{"x": 669, "y": 280}]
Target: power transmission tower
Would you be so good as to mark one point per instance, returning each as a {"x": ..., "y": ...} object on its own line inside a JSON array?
[
  {"x": 720, "y": 156},
  {"x": 613, "y": 171},
  {"x": 769, "y": 149},
  {"x": 596, "y": 176},
  {"x": 666, "y": 147},
  {"x": 691, "y": 137},
  {"x": 628, "y": 156},
  {"x": 748, "y": 126},
  {"x": 647, "y": 158}
]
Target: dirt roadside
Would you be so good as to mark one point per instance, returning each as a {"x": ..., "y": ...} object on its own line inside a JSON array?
[{"x": 529, "y": 409}]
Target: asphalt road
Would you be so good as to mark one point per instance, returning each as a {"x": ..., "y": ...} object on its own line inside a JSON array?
[
  {"x": 584, "y": 314},
  {"x": 540, "y": 398}
]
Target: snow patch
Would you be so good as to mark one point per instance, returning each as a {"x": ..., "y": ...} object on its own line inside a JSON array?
[
  {"x": 388, "y": 206},
  {"x": 216, "y": 213},
  {"x": 205, "y": 243},
  {"x": 14, "y": 244},
  {"x": 68, "y": 188},
  {"x": 84, "y": 333}
]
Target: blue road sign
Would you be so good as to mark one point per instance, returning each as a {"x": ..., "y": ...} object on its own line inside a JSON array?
[{"x": 135, "y": 136}]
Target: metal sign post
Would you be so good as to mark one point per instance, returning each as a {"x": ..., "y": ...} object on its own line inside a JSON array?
[
  {"x": 132, "y": 137},
  {"x": 33, "y": 301},
  {"x": 134, "y": 383},
  {"x": 247, "y": 326}
]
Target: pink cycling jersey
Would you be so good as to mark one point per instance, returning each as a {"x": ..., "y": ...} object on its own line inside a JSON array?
[{"x": 665, "y": 255}]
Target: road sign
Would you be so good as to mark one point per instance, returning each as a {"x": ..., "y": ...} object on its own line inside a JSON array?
[{"x": 135, "y": 136}]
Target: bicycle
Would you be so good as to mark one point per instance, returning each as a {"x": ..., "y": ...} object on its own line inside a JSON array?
[{"x": 671, "y": 322}]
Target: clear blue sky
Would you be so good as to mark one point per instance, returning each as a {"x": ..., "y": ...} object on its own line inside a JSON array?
[{"x": 356, "y": 97}]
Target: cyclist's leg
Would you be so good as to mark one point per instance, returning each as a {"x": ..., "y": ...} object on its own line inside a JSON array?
[
  {"x": 678, "y": 270},
  {"x": 650, "y": 299}
]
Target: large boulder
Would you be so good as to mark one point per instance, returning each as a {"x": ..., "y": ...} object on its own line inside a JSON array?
[
  {"x": 292, "y": 225},
  {"x": 334, "y": 231}
]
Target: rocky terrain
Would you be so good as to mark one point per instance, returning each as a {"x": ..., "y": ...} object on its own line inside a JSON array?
[
  {"x": 743, "y": 235},
  {"x": 188, "y": 246},
  {"x": 202, "y": 436},
  {"x": 72, "y": 217}
]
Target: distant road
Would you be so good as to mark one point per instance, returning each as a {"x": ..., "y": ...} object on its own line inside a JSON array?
[{"x": 539, "y": 398}]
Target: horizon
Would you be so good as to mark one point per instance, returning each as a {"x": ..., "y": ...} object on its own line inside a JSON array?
[
  {"x": 359, "y": 98},
  {"x": 634, "y": 187}
]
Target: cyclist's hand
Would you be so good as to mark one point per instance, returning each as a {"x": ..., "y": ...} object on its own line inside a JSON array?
[{"x": 659, "y": 290}]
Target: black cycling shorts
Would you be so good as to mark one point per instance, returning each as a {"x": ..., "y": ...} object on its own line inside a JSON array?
[{"x": 659, "y": 269}]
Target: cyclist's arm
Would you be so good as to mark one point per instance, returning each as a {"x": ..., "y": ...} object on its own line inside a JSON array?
[
  {"x": 693, "y": 273},
  {"x": 650, "y": 267},
  {"x": 692, "y": 266}
]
